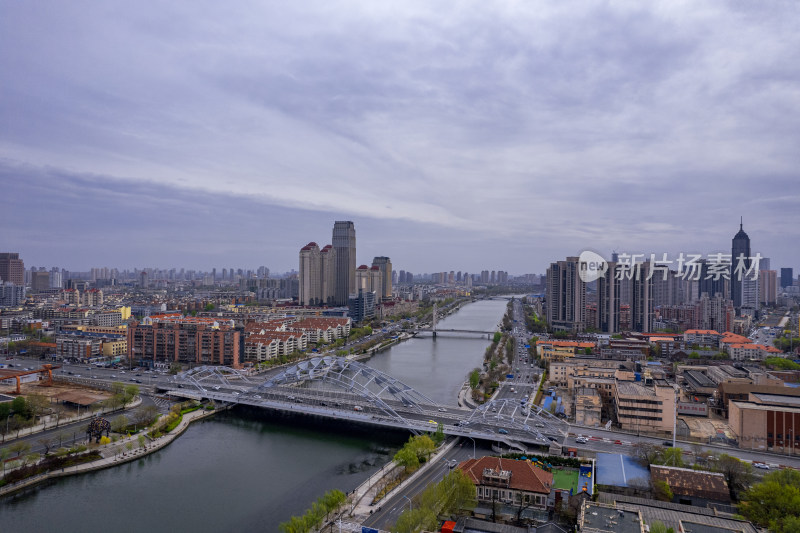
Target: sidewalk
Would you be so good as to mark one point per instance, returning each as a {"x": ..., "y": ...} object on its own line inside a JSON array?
[
  {"x": 365, "y": 493},
  {"x": 116, "y": 453},
  {"x": 39, "y": 428}
]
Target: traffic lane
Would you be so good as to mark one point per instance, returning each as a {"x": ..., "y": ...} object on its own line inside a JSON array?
[{"x": 392, "y": 508}]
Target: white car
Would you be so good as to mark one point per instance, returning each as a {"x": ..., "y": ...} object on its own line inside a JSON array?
[
  {"x": 581, "y": 440},
  {"x": 761, "y": 465}
]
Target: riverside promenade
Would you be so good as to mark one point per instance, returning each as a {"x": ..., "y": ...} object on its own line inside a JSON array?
[{"x": 115, "y": 453}]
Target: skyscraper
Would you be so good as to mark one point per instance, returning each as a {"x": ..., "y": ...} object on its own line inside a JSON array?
[
  {"x": 344, "y": 243},
  {"x": 328, "y": 265},
  {"x": 608, "y": 301},
  {"x": 310, "y": 273},
  {"x": 740, "y": 247},
  {"x": 642, "y": 299},
  {"x": 12, "y": 268},
  {"x": 787, "y": 277},
  {"x": 565, "y": 295},
  {"x": 384, "y": 264}
]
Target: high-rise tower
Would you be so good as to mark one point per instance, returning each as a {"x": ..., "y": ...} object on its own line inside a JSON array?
[
  {"x": 740, "y": 247},
  {"x": 344, "y": 243}
]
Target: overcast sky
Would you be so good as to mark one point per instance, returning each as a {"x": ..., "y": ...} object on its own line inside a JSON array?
[{"x": 456, "y": 135}]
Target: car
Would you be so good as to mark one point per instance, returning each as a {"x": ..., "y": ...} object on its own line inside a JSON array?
[
  {"x": 452, "y": 463},
  {"x": 442, "y": 410},
  {"x": 358, "y": 408},
  {"x": 257, "y": 396},
  {"x": 553, "y": 439},
  {"x": 216, "y": 387},
  {"x": 502, "y": 431},
  {"x": 581, "y": 440},
  {"x": 236, "y": 393},
  {"x": 112, "y": 375},
  {"x": 667, "y": 443},
  {"x": 431, "y": 421},
  {"x": 763, "y": 466},
  {"x": 291, "y": 398}
]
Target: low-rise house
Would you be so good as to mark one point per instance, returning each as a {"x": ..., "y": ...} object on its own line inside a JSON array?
[
  {"x": 509, "y": 488},
  {"x": 693, "y": 487}
]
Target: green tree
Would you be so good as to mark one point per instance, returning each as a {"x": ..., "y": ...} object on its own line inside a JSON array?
[
  {"x": 209, "y": 307},
  {"x": 497, "y": 337},
  {"x": 20, "y": 407},
  {"x": 662, "y": 491},
  {"x": 438, "y": 436},
  {"x": 141, "y": 439},
  {"x": 474, "y": 379},
  {"x": 407, "y": 458},
  {"x": 18, "y": 448},
  {"x": 38, "y": 404},
  {"x": 738, "y": 474},
  {"x": 672, "y": 457},
  {"x": 416, "y": 520},
  {"x": 775, "y": 502},
  {"x": 659, "y": 527}
]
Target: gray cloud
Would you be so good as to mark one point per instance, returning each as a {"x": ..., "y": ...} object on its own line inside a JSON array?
[{"x": 526, "y": 130}]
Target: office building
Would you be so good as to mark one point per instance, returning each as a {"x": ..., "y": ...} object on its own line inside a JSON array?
[
  {"x": 344, "y": 243},
  {"x": 40, "y": 281},
  {"x": 565, "y": 296},
  {"x": 712, "y": 281},
  {"x": 787, "y": 277},
  {"x": 740, "y": 252},
  {"x": 12, "y": 268},
  {"x": 362, "y": 305}
]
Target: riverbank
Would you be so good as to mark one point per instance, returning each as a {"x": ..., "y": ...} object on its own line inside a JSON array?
[{"x": 114, "y": 454}]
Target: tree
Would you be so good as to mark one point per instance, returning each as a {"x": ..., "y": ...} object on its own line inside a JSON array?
[
  {"x": 119, "y": 424},
  {"x": 19, "y": 448},
  {"x": 407, "y": 458},
  {"x": 20, "y": 407},
  {"x": 775, "y": 502},
  {"x": 659, "y": 527},
  {"x": 38, "y": 404},
  {"x": 141, "y": 439},
  {"x": 474, "y": 378},
  {"x": 738, "y": 474},
  {"x": 672, "y": 457},
  {"x": 647, "y": 453},
  {"x": 438, "y": 437},
  {"x": 662, "y": 491},
  {"x": 46, "y": 442},
  {"x": 144, "y": 416}
]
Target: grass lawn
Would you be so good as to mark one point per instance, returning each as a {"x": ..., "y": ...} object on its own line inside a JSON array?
[{"x": 565, "y": 479}]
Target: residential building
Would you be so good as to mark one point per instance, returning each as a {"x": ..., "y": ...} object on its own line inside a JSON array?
[
  {"x": 768, "y": 287},
  {"x": 344, "y": 243},
  {"x": 184, "y": 340},
  {"x": 608, "y": 301},
  {"x": 269, "y": 345},
  {"x": 328, "y": 272},
  {"x": 384, "y": 265},
  {"x": 310, "y": 274},
  {"x": 11, "y": 294},
  {"x": 642, "y": 298},
  {"x": 565, "y": 296}
]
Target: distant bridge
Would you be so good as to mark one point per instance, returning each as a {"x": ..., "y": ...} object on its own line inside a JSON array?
[
  {"x": 436, "y": 331},
  {"x": 343, "y": 389}
]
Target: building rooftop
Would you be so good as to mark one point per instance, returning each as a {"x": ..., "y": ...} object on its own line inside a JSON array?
[
  {"x": 599, "y": 517},
  {"x": 629, "y": 388},
  {"x": 688, "y": 482},
  {"x": 675, "y": 514},
  {"x": 522, "y": 474}
]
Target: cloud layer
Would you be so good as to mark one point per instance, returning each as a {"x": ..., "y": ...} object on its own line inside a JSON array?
[{"x": 520, "y": 132}]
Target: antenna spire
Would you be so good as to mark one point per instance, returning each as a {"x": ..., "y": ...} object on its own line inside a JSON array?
[{"x": 741, "y": 222}]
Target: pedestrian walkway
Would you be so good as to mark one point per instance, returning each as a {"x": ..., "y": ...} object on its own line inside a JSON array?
[{"x": 116, "y": 453}]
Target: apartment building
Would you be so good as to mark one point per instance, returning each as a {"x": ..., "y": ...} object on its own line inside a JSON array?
[{"x": 643, "y": 407}]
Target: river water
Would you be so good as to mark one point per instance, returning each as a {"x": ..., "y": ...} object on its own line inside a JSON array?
[{"x": 246, "y": 469}]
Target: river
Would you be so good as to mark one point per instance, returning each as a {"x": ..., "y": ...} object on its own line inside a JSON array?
[{"x": 245, "y": 469}]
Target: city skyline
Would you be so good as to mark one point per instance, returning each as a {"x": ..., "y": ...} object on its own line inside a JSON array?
[{"x": 521, "y": 132}]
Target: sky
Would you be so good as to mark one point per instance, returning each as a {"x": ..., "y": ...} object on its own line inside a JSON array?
[{"x": 456, "y": 135}]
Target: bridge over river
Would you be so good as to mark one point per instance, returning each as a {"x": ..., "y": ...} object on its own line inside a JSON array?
[{"x": 344, "y": 389}]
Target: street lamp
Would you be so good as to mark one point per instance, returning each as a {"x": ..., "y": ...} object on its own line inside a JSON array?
[
  {"x": 473, "y": 446},
  {"x": 409, "y": 502}
]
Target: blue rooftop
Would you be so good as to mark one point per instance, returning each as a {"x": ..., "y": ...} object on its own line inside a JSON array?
[{"x": 618, "y": 470}]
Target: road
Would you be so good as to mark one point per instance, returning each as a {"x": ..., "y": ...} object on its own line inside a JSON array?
[{"x": 387, "y": 512}]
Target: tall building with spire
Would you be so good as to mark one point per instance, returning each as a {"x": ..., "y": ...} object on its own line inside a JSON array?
[
  {"x": 344, "y": 243},
  {"x": 740, "y": 247}
]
